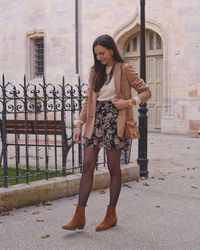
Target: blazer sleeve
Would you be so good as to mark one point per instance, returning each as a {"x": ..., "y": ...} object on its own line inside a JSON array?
[
  {"x": 83, "y": 114},
  {"x": 137, "y": 83}
]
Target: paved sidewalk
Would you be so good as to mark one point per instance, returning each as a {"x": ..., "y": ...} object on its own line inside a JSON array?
[{"x": 161, "y": 212}]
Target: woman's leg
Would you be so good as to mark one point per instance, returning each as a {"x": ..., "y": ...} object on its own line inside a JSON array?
[
  {"x": 89, "y": 163},
  {"x": 78, "y": 220},
  {"x": 113, "y": 161}
]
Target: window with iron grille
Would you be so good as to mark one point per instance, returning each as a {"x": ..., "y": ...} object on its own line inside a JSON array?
[
  {"x": 38, "y": 57},
  {"x": 35, "y": 55}
]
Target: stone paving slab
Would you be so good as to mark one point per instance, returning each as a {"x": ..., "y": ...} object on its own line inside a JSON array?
[{"x": 158, "y": 213}]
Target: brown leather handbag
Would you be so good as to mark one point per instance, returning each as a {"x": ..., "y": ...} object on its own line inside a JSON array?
[{"x": 131, "y": 130}]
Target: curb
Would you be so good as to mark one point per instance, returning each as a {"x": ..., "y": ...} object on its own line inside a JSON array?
[{"x": 46, "y": 190}]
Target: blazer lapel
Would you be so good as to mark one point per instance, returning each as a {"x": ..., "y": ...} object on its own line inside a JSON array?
[{"x": 117, "y": 79}]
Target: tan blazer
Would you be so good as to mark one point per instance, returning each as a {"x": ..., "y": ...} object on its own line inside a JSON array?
[{"x": 125, "y": 78}]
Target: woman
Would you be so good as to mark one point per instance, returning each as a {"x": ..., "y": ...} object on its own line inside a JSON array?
[{"x": 106, "y": 108}]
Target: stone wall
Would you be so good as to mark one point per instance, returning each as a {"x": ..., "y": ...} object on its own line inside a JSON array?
[{"x": 176, "y": 21}]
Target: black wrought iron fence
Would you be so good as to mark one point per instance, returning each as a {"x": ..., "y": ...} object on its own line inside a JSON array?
[{"x": 37, "y": 124}]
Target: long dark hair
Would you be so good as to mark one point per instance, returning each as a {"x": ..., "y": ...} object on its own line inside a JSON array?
[{"x": 100, "y": 69}]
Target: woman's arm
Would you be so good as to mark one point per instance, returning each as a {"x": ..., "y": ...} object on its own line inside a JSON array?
[
  {"x": 138, "y": 84},
  {"x": 83, "y": 114},
  {"x": 144, "y": 93}
]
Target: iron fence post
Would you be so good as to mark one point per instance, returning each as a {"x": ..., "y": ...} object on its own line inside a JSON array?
[
  {"x": 63, "y": 128},
  {"x": 4, "y": 135},
  {"x": 80, "y": 97}
]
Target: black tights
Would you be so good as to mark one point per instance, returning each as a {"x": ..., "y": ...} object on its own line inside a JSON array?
[{"x": 113, "y": 162}]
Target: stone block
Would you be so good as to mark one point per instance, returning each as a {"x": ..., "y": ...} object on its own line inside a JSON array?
[{"x": 46, "y": 190}]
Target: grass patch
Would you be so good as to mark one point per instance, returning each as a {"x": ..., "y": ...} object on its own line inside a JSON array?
[{"x": 33, "y": 175}]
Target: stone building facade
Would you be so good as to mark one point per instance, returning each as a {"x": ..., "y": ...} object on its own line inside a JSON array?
[{"x": 172, "y": 44}]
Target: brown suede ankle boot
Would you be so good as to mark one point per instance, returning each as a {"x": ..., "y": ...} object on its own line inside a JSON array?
[
  {"x": 109, "y": 221},
  {"x": 77, "y": 221}
]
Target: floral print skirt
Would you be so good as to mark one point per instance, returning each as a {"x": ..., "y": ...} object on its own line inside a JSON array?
[{"x": 105, "y": 129}]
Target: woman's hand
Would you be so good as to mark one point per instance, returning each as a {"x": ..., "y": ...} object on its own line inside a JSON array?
[
  {"x": 122, "y": 104},
  {"x": 76, "y": 135}
]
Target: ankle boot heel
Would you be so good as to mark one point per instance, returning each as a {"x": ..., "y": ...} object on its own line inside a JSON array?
[
  {"x": 80, "y": 226},
  {"x": 110, "y": 220},
  {"x": 114, "y": 224},
  {"x": 77, "y": 221}
]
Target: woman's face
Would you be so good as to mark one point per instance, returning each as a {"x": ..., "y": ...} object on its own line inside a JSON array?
[{"x": 104, "y": 55}]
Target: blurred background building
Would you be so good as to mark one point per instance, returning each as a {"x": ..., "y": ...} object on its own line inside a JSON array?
[{"x": 54, "y": 38}]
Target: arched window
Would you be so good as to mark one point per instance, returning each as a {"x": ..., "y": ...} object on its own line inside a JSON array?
[{"x": 35, "y": 54}]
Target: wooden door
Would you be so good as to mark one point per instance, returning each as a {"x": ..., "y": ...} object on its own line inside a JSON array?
[
  {"x": 154, "y": 79},
  {"x": 154, "y": 73}
]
